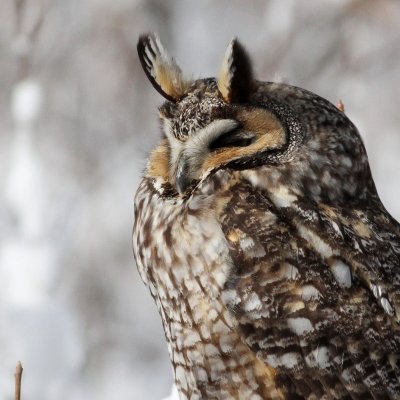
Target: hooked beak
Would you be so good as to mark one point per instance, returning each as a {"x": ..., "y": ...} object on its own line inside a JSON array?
[{"x": 183, "y": 178}]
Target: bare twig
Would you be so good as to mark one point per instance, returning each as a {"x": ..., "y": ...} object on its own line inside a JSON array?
[
  {"x": 19, "y": 5},
  {"x": 37, "y": 26},
  {"x": 26, "y": 34},
  {"x": 18, "y": 377}
]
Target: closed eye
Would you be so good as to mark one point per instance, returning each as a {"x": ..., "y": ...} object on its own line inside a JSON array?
[{"x": 234, "y": 138}]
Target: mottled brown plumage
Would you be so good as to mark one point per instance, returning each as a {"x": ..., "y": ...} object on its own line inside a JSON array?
[{"x": 259, "y": 232}]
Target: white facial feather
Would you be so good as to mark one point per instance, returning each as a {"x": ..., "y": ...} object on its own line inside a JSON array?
[
  {"x": 175, "y": 145},
  {"x": 196, "y": 146}
]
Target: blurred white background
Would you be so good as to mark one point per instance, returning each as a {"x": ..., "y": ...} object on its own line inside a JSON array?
[{"x": 77, "y": 118}]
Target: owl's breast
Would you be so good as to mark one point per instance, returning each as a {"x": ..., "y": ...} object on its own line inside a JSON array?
[
  {"x": 168, "y": 241},
  {"x": 183, "y": 256}
]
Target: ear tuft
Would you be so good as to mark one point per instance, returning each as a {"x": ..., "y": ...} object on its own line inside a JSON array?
[
  {"x": 235, "y": 80},
  {"x": 161, "y": 69}
]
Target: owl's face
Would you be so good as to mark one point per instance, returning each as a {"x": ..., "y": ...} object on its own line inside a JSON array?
[
  {"x": 237, "y": 122},
  {"x": 203, "y": 133}
]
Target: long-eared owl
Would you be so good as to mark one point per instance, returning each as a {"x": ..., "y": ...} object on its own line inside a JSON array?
[{"x": 262, "y": 239}]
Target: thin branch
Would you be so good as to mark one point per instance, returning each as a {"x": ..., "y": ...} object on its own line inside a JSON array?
[
  {"x": 18, "y": 378},
  {"x": 19, "y": 6},
  {"x": 26, "y": 34},
  {"x": 37, "y": 26}
]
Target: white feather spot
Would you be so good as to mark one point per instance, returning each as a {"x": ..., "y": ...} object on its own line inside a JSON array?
[
  {"x": 231, "y": 297},
  {"x": 180, "y": 375},
  {"x": 290, "y": 360},
  {"x": 246, "y": 243},
  {"x": 252, "y": 303},
  {"x": 299, "y": 325},
  {"x": 335, "y": 226},
  {"x": 316, "y": 242},
  {"x": 244, "y": 392},
  {"x": 347, "y": 161},
  {"x": 211, "y": 350},
  {"x": 346, "y": 375},
  {"x": 213, "y": 315},
  {"x": 205, "y": 332},
  {"x": 253, "y": 249},
  {"x": 255, "y": 397},
  {"x": 158, "y": 185},
  {"x": 387, "y": 306},
  {"x": 220, "y": 327},
  {"x": 376, "y": 290},
  {"x": 321, "y": 355},
  {"x": 282, "y": 198},
  {"x": 342, "y": 273},
  {"x": 201, "y": 374},
  {"x": 179, "y": 271},
  {"x": 217, "y": 367},
  {"x": 310, "y": 292},
  {"x": 220, "y": 278},
  {"x": 253, "y": 177},
  {"x": 225, "y": 342},
  {"x": 290, "y": 271},
  {"x": 191, "y": 338},
  {"x": 272, "y": 360}
]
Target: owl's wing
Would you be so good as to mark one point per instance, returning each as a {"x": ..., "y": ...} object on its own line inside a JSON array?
[{"x": 315, "y": 293}]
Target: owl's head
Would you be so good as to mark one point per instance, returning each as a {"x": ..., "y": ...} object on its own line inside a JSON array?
[{"x": 234, "y": 121}]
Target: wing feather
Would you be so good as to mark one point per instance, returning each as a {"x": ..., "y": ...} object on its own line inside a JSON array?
[{"x": 316, "y": 293}]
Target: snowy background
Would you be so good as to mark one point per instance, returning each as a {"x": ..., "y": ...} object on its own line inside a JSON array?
[{"x": 77, "y": 118}]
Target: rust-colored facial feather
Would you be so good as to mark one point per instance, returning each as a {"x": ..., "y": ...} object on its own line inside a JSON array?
[
  {"x": 158, "y": 164},
  {"x": 267, "y": 130},
  {"x": 269, "y": 135}
]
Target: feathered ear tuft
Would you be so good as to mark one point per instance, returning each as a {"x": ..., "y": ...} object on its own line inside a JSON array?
[
  {"x": 235, "y": 80},
  {"x": 161, "y": 69}
]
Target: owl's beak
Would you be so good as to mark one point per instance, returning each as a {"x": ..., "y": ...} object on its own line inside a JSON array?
[{"x": 183, "y": 178}]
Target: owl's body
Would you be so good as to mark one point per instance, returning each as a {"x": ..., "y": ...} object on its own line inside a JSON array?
[{"x": 259, "y": 232}]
